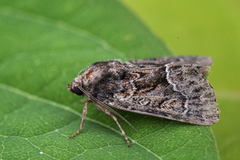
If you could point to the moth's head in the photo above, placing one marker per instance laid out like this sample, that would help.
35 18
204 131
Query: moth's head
73 87
97 73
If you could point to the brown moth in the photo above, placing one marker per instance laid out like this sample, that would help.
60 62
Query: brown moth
170 87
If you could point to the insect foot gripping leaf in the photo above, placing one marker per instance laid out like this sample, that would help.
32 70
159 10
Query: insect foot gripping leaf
170 87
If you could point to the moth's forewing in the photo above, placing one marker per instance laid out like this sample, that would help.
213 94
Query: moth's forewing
170 87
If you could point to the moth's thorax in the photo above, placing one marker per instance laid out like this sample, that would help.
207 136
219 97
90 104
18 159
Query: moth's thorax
91 75
98 72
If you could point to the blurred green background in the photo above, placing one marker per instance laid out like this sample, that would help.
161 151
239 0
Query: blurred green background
209 28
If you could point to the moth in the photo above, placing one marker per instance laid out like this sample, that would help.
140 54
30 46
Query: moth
170 87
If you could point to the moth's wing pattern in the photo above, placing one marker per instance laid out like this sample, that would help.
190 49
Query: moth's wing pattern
189 97
190 81
170 87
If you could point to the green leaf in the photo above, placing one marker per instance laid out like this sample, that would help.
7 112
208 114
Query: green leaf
44 44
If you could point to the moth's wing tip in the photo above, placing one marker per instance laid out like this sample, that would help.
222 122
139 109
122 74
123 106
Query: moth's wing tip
204 123
210 117
209 123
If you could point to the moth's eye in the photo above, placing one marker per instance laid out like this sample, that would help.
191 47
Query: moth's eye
77 91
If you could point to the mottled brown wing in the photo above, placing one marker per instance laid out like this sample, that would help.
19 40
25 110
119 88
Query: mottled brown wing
190 81
170 87
177 90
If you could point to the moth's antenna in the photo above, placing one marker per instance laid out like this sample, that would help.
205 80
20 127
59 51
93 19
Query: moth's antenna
104 105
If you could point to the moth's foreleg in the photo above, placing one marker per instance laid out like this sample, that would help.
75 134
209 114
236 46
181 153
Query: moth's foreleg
84 113
107 112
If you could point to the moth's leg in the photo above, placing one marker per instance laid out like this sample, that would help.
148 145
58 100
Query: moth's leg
84 113
107 112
